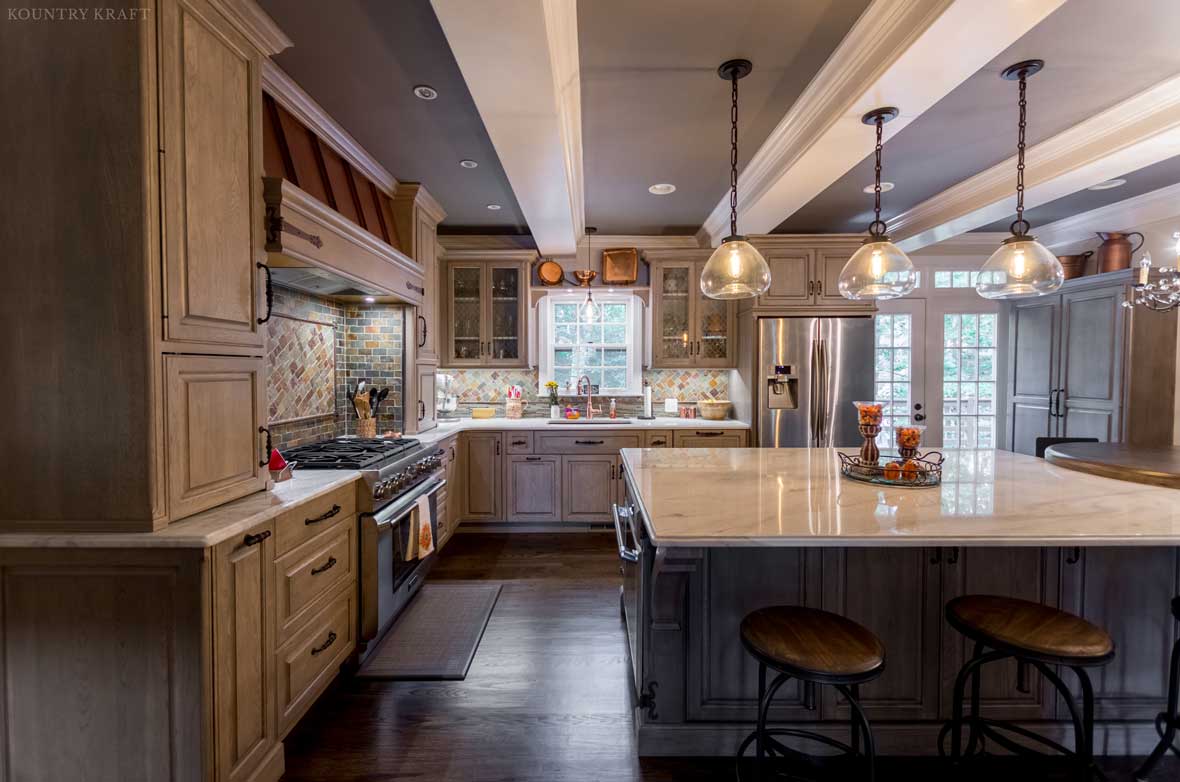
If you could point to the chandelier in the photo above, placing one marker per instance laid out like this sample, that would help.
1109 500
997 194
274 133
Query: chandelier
1163 295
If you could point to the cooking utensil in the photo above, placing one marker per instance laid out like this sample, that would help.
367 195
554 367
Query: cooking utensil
714 409
373 401
352 400
620 266
380 398
1074 265
550 273
1116 250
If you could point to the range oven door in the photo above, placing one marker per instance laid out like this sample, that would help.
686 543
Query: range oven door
632 555
387 580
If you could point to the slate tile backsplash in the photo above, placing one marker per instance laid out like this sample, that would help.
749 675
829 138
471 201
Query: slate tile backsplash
368 345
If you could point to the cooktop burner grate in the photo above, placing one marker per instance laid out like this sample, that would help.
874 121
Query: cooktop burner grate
349 453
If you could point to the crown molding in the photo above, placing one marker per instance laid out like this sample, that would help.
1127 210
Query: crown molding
1130 213
561 33
255 24
280 86
907 53
1137 132
417 193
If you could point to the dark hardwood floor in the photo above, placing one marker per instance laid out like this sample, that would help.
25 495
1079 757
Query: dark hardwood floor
546 699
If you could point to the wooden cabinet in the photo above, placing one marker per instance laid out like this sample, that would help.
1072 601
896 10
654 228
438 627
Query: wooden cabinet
211 177
688 329
486 311
709 438
307 663
425 407
1065 365
660 439
589 487
417 215
805 271
792 279
245 729
532 488
483 489
214 412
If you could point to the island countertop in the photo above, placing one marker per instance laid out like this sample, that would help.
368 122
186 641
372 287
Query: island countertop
797 497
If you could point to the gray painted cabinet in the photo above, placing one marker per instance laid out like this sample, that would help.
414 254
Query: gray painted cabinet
483 491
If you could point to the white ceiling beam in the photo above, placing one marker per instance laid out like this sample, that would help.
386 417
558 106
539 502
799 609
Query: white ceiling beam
1138 132
1161 204
904 53
522 71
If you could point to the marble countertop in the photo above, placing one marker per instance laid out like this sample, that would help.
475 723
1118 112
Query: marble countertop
797 497
204 529
448 427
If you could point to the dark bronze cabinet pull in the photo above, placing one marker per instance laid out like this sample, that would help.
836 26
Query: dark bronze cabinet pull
819 287
953 557
266 461
270 293
709 434
331 640
589 442
422 338
327 515
532 458
811 287
254 540
331 563
520 442
1074 556
421 410
612 472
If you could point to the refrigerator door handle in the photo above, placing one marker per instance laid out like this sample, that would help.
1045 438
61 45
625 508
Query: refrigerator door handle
814 411
823 392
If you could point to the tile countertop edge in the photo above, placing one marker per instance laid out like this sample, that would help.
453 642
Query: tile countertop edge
203 530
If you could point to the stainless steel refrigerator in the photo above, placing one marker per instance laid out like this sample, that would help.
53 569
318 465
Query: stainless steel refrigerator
809 372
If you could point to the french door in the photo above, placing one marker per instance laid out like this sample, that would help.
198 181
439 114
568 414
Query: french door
899 370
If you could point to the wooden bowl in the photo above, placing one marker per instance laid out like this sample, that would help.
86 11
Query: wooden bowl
714 409
550 273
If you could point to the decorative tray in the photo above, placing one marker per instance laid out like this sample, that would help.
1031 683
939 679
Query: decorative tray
913 473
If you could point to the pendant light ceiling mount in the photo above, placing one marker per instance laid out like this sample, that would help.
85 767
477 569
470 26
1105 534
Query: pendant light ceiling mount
1022 266
879 270
735 270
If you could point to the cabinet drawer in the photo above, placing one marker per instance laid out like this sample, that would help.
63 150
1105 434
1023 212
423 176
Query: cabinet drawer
307 663
710 438
310 572
313 517
657 439
590 442
518 442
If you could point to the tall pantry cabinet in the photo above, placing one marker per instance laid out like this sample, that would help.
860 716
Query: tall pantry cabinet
137 313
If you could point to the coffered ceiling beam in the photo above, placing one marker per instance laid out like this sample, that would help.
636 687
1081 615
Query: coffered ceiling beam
1138 132
905 53
520 61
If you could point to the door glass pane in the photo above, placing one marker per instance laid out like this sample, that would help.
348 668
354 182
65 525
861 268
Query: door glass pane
505 313
675 290
969 381
713 326
465 311
892 373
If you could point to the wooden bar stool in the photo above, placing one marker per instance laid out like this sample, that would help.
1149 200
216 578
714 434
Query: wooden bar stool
1036 635
1167 723
814 647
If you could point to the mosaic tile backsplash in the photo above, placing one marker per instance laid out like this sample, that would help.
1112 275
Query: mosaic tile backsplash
368 344
475 387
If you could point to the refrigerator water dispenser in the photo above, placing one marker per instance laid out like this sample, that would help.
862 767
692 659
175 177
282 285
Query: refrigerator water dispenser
782 392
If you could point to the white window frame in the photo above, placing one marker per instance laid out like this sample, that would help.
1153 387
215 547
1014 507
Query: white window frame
634 338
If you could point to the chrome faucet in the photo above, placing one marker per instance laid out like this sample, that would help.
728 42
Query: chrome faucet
590 411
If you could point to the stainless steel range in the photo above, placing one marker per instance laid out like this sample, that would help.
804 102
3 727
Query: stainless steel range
396 473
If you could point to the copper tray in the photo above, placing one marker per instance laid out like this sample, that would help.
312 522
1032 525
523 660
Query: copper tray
620 266
550 273
929 471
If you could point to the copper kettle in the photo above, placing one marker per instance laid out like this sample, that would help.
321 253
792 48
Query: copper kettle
1116 250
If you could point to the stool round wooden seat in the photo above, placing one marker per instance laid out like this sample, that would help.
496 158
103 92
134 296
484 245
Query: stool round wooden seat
1032 630
1034 635
812 647
812 644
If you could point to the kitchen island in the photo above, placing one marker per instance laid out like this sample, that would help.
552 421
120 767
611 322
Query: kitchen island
718 533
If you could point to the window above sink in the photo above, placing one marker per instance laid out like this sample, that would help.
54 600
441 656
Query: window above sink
606 346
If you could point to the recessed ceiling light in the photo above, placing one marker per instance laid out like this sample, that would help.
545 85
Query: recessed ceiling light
369 300
468 164
494 207
662 189
1109 184
425 92
885 187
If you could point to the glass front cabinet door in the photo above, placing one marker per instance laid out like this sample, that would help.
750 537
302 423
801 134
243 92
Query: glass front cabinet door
689 329
486 313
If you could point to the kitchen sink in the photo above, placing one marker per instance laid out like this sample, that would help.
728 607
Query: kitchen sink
592 421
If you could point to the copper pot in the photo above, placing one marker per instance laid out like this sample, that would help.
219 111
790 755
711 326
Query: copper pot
1074 265
1116 250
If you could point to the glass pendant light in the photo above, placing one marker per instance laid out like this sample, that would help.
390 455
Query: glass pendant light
1022 266
588 311
879 269
735 270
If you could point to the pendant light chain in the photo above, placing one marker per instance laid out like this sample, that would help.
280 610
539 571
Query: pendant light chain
1020 226
878 227
733 157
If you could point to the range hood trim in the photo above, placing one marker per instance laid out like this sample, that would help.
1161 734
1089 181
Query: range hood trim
305 230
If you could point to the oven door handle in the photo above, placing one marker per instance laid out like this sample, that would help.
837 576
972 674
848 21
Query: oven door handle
390 515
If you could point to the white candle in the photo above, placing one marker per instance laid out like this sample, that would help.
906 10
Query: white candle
1144 268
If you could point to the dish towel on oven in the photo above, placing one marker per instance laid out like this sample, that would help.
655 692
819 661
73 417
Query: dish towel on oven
425 542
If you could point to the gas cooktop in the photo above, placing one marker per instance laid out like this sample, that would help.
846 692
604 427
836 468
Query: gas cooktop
351 453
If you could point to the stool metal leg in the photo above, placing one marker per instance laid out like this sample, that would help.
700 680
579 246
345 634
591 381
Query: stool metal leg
1170 719
858 715
853 724
1084 743
759 749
